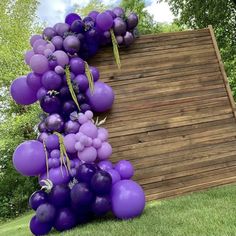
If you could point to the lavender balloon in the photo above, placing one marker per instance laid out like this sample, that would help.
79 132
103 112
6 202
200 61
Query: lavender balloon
102 98
105 151
29 158
39 64
69 141
88 155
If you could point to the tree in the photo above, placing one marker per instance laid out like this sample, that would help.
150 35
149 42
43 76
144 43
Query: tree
221 14
18 22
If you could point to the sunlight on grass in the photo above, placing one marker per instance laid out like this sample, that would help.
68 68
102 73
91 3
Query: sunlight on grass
209 213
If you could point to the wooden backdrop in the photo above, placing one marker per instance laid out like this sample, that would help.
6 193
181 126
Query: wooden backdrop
174 115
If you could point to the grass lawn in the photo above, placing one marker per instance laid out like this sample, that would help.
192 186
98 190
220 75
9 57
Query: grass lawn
208 213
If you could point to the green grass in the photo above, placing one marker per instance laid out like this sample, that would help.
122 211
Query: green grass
209 213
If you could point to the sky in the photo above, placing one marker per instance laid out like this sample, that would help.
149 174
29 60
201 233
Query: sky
53 11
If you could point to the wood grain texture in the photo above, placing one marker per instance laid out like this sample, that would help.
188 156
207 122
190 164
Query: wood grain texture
174 114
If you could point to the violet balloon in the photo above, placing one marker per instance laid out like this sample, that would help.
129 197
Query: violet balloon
128 199
104 21
22 93
39 64
29 158
69 142
34 81
114 175
38 228
70 18
125 169
54 122
102 98
105 165
77 65
52 142
82 82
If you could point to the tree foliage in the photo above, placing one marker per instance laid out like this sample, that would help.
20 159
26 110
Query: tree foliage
221 14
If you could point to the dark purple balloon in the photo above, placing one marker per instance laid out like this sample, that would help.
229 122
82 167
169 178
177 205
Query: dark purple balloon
82 82
77 65
42 127
70 18
69 107
46 213
57 42
64 93
72 77
54 122
120 26
81 98
38 198
60 196
51 80
49 33
71 127
132 21
65 220
50 104
101 205
128 38
34 81
101 183
81 195
85 107
86 172
77 27
38 228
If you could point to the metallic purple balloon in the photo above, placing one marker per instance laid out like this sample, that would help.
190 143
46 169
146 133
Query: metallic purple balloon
120 26
29 158
37 198
128 39
119 12
60 196
132 21
54 122
71 127
22 93
70 18
102 98
51 80
57 42
71 44
125 169
128 199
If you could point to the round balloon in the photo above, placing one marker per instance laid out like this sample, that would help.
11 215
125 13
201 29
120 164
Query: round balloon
29 158
128 199
22 93
102 98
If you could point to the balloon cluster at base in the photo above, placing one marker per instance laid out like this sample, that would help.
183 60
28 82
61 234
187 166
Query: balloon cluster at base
71 155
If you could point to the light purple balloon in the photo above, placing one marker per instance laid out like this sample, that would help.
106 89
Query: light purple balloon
22 93
88 155
34 38
61 57
128 199
57 175
114 175
37 44
97 143
125 169
105 165
29 158
39 64
57 42
69 141
89 129
28 56
55 154
61 28
79 147
82 118
102 98
105 151
103 134
42 137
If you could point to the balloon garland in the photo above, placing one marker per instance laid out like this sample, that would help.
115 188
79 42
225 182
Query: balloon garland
71 154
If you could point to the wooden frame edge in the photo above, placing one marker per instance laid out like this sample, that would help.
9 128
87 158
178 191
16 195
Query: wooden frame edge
222 69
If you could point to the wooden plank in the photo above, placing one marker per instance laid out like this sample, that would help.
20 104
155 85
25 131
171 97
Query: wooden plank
173 116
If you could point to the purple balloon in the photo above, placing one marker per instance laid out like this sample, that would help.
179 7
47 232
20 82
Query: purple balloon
29 158
114 175
34 38
28 56
57 41
21 92
102 98
42 137
49 33
38 198
34 81
93 15
54 122
119 26
113 15
132 21
58 176
105 151
60 196
104 21
71 44
77 65
128 199
86 172
101 205
71 127
42 127
70 18
51 80
38 228
52 142
61 28
128 39
95 72
120 39
55 154
82 82
69 141
46 213
125 169
89 129
105 165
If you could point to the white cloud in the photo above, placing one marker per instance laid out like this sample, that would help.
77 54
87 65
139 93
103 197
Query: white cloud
161 12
